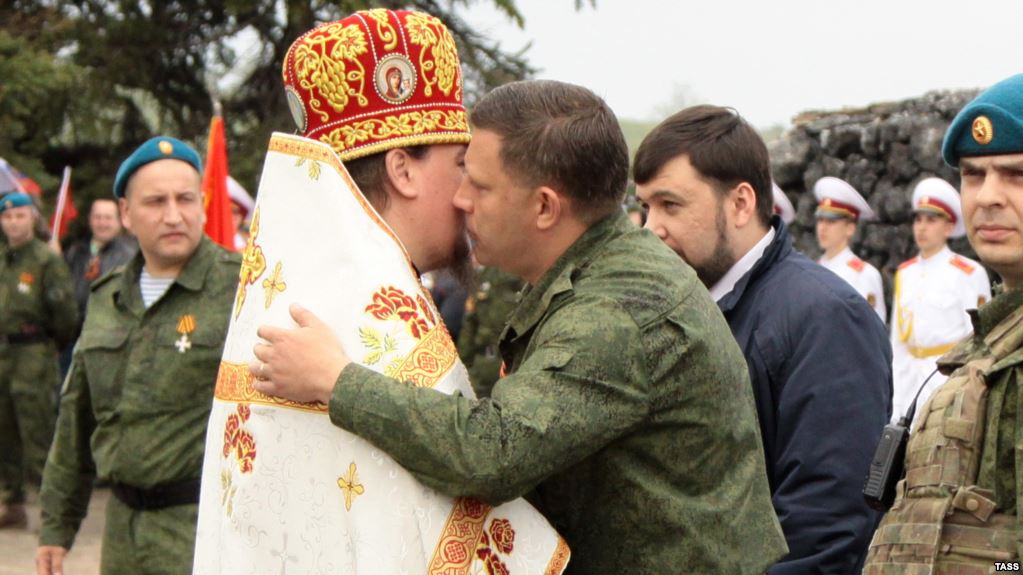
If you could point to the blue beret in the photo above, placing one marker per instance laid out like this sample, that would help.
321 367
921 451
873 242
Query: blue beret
990 125
158 148
14 200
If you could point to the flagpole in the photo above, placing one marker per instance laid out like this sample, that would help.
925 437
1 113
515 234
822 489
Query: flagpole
65 185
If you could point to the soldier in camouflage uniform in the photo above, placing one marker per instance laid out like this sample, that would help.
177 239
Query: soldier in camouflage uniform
957 510
135 404
486 312
37 317
626 415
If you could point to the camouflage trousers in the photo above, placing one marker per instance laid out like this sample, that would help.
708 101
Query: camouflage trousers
158 542
29 377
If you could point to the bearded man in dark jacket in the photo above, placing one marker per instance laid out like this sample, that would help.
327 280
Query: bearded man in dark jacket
818 356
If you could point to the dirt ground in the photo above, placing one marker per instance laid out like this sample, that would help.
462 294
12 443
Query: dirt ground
18 548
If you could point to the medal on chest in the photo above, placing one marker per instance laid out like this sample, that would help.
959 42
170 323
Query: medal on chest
25 282
186 325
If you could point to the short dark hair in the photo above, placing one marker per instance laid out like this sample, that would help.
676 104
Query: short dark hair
721 145
559 135
370 174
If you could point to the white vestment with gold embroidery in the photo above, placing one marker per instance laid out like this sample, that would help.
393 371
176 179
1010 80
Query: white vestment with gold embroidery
283 489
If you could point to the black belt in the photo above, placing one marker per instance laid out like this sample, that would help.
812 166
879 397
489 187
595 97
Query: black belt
160 496
23 338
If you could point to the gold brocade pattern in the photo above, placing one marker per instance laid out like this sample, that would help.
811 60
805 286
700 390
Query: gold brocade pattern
253 265
234 383
560 559
327 64
416 123
438 59
430 360
456 549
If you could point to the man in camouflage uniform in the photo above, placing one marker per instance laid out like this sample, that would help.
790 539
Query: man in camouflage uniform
626 415
486 313
37 317
135 404
956 512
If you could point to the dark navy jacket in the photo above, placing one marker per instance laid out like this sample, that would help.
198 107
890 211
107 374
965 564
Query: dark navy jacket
820 363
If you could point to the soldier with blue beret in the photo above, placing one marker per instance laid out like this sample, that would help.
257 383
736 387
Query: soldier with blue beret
957 509
135 403
159 148
37 317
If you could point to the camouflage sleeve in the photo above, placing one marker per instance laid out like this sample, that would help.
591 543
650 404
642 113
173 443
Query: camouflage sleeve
69 473
59 295
584 386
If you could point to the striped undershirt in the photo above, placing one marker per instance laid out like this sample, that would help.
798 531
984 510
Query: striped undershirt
153 288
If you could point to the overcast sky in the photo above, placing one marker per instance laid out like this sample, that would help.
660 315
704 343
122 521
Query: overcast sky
768 59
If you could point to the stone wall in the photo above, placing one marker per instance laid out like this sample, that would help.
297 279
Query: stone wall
883 151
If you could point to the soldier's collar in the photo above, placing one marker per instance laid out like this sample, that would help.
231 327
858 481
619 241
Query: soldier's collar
558 279
192 276
992 313
13 252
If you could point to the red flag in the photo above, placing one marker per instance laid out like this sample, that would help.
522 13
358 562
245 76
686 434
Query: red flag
219 226
66 210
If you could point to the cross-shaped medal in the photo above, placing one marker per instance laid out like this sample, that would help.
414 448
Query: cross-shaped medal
183 344
186 325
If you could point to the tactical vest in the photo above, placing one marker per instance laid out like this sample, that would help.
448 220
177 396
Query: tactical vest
942 523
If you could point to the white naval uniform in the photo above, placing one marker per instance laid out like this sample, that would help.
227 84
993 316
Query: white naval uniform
929 318
863 277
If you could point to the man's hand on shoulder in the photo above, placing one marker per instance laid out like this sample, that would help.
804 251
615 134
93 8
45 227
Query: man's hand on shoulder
300 364
50 560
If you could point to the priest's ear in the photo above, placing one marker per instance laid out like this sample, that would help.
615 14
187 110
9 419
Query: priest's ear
400 164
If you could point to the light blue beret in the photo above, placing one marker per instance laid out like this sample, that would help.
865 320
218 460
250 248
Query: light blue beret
14 200
158 148
990 125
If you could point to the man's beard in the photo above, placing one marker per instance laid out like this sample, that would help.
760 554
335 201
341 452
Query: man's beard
721 260
461 266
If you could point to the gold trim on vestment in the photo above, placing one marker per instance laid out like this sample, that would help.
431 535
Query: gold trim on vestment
456 548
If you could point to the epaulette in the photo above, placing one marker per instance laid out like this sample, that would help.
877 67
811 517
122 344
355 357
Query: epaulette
908 262
105 278
962 264
857 264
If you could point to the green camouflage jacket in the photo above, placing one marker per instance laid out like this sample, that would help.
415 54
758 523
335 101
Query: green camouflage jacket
135 404
1003 428
626 416
36 293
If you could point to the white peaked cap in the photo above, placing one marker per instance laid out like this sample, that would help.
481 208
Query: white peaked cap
834 195
935 195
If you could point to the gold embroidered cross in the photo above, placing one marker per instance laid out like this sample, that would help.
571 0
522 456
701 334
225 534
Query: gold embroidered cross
350 486
273 285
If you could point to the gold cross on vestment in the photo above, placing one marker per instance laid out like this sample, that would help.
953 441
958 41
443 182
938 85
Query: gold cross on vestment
274 285
350 486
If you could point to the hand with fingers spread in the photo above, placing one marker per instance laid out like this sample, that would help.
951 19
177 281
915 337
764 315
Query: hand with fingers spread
300 364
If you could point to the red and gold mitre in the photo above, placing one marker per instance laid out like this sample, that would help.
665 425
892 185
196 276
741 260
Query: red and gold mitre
376 80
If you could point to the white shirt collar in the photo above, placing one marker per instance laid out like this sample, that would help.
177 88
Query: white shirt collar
841 256
726 284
